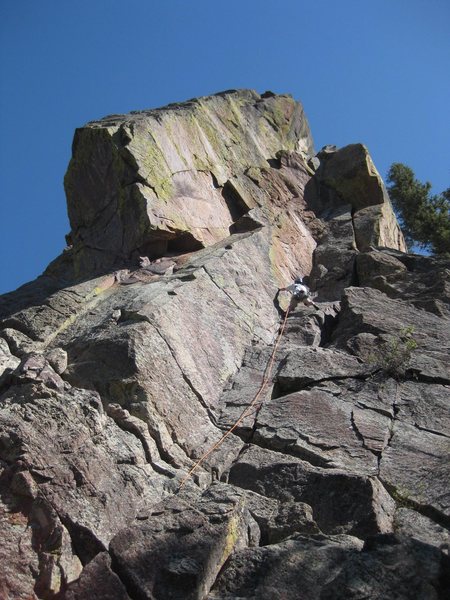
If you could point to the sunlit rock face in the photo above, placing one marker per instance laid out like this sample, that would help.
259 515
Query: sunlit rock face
183 177
128 359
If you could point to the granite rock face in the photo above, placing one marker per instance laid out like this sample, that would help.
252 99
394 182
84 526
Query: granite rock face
184 177
349 195
144 342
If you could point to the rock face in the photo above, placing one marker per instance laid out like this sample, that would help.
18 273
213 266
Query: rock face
184 177
144 342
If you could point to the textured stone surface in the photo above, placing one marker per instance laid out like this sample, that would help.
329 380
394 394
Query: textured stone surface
99 576
8 362
341 502
333 567
349 194
423 281
179 548
178 179
391 322
149 338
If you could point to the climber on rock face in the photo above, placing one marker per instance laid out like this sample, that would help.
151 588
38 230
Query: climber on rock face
300 293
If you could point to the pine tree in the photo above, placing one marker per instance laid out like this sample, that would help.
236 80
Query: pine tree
424 218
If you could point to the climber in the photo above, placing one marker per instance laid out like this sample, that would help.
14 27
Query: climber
300 293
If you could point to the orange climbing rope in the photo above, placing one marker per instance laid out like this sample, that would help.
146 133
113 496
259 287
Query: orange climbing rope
247 411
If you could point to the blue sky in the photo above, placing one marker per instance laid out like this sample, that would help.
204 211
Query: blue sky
373 72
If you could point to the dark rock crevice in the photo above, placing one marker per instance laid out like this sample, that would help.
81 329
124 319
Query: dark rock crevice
327 325
286 448
86 545
281 389
274 163
391 433
132 590
433 431
183 244
234 201
414 375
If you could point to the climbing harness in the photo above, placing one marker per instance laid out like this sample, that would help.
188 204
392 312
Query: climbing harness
247 411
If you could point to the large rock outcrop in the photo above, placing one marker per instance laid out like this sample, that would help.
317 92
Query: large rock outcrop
184 177
145 340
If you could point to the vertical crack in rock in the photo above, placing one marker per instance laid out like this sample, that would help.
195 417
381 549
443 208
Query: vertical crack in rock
85 543
234 201
187 379
239 308
360 436
328 324
131 589
394 412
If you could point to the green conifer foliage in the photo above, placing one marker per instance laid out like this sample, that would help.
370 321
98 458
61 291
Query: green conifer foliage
424 218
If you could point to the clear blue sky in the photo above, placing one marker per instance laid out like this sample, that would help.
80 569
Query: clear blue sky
374 72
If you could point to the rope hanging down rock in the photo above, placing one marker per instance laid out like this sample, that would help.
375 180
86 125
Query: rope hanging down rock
247 411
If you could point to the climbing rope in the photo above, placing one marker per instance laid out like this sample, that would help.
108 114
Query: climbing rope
248 410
